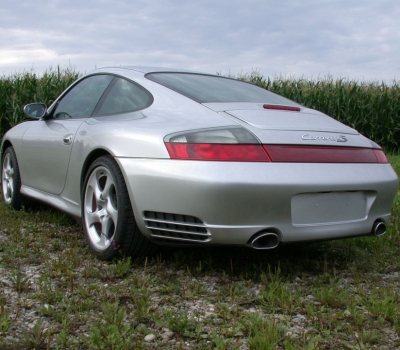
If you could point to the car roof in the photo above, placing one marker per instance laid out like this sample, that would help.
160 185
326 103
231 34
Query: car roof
148 69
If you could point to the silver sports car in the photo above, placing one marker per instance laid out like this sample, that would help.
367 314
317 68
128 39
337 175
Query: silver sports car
146 156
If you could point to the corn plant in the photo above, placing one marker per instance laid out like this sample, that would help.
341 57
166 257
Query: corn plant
20 89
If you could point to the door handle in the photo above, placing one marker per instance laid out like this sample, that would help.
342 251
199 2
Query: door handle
67 140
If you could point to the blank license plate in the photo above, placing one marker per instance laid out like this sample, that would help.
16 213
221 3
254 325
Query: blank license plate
325 208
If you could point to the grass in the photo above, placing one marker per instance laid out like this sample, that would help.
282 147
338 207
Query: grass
330 295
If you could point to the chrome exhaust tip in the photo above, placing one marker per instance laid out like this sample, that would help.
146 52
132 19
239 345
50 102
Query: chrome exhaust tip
266 240
379 228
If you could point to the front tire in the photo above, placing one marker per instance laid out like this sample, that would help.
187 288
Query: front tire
11 179
107 217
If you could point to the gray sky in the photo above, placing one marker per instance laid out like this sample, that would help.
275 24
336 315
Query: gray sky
356 39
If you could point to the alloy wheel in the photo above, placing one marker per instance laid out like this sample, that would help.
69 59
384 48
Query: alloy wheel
8 179
101 208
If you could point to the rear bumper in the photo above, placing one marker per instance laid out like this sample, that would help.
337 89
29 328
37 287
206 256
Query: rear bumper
235 201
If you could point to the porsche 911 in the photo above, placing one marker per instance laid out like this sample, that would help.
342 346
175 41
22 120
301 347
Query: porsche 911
149 156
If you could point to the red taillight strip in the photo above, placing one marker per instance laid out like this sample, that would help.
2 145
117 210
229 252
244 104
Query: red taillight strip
380 156
274 153
220 152
281 108
321 154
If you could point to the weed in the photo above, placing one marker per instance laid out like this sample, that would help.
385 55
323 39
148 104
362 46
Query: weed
39 338
277 297
5 320
122 267
264 334
19 281
110 332
179 322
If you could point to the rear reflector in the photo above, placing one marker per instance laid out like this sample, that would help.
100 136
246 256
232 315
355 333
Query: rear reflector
281 108
274 153
221 152
323 154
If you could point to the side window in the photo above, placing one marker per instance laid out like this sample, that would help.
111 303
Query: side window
82 99
124 97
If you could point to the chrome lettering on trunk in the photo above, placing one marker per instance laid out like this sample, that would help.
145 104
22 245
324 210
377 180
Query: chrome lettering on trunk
340 138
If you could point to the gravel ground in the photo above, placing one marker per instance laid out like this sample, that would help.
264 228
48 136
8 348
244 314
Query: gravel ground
173 305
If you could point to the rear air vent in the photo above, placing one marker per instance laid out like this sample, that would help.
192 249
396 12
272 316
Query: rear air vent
176 227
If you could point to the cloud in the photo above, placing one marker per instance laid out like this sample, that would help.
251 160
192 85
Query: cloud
356 39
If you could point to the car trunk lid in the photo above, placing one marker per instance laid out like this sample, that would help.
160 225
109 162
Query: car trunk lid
303 127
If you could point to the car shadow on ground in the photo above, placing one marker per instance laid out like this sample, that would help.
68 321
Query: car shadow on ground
290 260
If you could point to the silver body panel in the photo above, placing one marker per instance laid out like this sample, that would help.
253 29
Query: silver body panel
232 200
235 202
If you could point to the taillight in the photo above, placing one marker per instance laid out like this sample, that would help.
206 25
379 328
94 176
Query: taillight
221 152
236 144
380 156
224 135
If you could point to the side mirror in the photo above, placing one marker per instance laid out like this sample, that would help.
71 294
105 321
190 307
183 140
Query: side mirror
35 110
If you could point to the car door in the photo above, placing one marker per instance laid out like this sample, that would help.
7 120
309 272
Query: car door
47 145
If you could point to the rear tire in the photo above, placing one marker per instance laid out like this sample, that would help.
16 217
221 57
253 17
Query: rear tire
107 216
11 179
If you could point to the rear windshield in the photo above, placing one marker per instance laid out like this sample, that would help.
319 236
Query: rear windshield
210 88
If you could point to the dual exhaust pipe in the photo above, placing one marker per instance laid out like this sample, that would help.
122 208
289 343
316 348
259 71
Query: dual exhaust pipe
270 240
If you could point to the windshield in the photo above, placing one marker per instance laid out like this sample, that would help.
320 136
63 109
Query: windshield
210 88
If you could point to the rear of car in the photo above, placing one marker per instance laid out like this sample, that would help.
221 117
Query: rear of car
280 172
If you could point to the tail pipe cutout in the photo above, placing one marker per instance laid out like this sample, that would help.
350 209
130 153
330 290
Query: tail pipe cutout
378 228
264 240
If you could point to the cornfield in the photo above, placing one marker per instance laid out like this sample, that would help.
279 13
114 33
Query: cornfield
20 89
370 107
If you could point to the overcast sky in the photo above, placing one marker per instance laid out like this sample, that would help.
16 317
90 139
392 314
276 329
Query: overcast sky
356 39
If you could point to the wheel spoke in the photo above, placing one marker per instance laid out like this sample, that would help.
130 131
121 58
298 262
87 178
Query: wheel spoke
93 183
11 184
103 242
112 213
9 189
107 225
8 162
108 185
92 218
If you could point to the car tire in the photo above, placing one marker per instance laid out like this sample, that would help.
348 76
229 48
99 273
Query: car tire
107 217
11 179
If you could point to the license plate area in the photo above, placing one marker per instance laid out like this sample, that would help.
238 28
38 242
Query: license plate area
330 208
